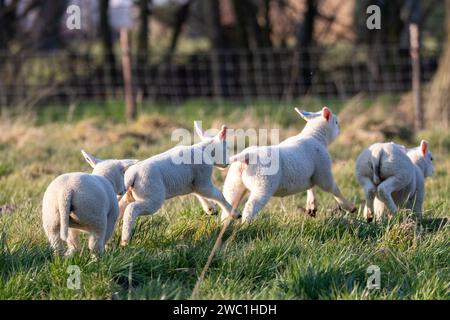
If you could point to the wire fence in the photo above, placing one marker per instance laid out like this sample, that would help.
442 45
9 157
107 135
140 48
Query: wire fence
268 74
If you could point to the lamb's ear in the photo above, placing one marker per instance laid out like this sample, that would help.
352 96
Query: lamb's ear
128 163
222 133
198 129
424 146
305 114
326 113
90 158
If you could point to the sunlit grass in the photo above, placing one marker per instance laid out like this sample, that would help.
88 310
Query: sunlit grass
282 255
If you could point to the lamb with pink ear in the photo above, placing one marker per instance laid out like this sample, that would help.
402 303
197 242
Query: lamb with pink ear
178 171
80 202
302 163
392 176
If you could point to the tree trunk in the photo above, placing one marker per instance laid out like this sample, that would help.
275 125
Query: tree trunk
241 26
305 43
143 48
180 18
107 43
47 28
267 30
438 102
217 39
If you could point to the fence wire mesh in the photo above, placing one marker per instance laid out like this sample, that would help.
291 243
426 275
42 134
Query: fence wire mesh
267 74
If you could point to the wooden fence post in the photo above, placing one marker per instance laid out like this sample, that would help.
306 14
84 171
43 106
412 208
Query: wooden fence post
130 101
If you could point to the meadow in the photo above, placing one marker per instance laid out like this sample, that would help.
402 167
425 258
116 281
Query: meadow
283 254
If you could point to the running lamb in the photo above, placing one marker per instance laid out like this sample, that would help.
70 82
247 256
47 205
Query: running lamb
178 171
302 162
77 201
393 175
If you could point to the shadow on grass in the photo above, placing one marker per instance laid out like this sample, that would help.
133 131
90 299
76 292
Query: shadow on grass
434 224
313 283
23 258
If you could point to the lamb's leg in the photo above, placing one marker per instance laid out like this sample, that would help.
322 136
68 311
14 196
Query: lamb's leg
110 224
123 203
212 193
134 210
73 242
370 191
233 187
53 235
56 243
311 202
328 184
208 206
256 201
417 205
378 207
385 190
97 242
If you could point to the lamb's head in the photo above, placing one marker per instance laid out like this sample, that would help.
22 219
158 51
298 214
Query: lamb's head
215 145
111 169
422 157
322 123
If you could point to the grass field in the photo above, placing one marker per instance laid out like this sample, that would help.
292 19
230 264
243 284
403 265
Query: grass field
282 255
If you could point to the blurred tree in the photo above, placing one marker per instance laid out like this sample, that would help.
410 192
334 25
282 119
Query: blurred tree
181 16
302 72
107 43
391 30
251 34
211 11
305 38
143 43
7 22
47 25
391 24
438 101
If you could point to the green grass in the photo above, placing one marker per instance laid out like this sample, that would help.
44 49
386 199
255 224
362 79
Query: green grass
282 255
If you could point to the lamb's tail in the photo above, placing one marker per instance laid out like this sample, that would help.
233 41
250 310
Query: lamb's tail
376 164
64 206
129 178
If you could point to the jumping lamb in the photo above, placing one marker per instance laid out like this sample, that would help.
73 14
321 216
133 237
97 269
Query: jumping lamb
81 202
393 175
303 162
150 182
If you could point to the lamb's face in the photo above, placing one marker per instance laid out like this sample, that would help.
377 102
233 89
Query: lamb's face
113 170
217 146
429 170
422 156
334 127
427 159
323 120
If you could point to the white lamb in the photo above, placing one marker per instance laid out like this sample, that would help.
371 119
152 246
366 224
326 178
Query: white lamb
150 182
76 202
303 163
393 175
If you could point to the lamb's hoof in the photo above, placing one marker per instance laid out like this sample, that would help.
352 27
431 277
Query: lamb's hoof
94 257
123 243
236 214
353 209
369 219
68 253
311 212
213 211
